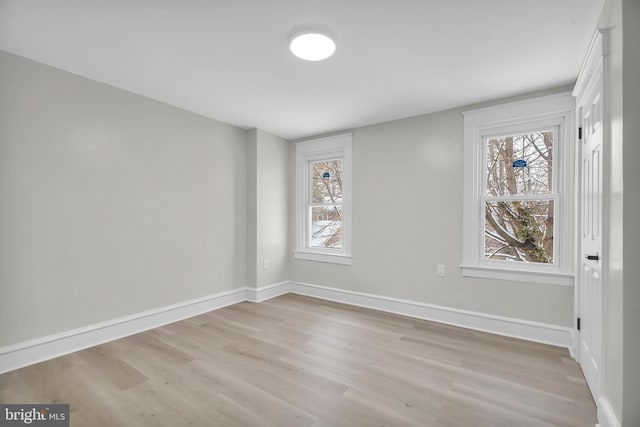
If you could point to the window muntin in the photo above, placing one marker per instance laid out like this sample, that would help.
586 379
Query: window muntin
324 204
323 200
520 164
520 197
539 199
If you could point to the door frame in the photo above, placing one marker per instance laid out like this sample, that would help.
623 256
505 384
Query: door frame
596 52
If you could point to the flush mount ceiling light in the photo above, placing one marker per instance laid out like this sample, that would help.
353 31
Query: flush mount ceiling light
312 44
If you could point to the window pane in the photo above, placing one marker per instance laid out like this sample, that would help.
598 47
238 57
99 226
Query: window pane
520 164
326 227
326 181
519 231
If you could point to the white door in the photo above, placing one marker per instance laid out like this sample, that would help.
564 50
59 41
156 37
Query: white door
590 118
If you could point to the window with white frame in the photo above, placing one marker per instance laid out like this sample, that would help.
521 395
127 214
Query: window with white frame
323 199
518 191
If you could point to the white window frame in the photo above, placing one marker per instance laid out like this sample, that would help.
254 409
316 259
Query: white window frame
329 148
548 112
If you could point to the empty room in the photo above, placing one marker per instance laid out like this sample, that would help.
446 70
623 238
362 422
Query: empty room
320 213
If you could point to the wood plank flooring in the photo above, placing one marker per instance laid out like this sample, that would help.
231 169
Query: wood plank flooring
299 361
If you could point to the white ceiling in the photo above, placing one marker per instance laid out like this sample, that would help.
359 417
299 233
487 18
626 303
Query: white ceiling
229 59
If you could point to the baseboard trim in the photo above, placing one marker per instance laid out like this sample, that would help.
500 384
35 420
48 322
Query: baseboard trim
606 415
38 350
516 328
573 348
34 351
267 292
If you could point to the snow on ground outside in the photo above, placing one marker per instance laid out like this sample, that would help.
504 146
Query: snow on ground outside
322 231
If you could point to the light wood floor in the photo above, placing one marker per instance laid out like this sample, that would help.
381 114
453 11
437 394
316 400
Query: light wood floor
299 361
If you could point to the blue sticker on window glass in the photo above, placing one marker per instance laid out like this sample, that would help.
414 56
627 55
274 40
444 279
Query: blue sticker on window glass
326 175
520 164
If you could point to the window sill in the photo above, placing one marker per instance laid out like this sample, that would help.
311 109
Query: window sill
323 257
547 278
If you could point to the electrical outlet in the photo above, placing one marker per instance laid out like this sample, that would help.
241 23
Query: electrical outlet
440 270
265 264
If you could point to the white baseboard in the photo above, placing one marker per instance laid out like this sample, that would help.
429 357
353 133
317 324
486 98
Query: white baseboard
606 415
573 348
27 353
523 329
38 350
267 292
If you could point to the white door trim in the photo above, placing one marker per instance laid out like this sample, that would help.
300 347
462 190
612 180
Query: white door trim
595 57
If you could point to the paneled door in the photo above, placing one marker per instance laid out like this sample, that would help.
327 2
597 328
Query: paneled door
590 112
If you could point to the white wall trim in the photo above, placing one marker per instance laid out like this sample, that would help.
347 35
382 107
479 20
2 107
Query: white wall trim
606 415
574 348
323 257
332 147
267 292
521 275
516 328
553 112
594 72
38 350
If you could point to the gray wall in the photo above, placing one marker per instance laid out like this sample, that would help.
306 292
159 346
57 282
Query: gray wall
268 226
252 207
631 308
612 320
407 217
112 204
622 299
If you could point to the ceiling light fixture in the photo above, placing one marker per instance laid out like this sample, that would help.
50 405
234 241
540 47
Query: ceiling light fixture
312 44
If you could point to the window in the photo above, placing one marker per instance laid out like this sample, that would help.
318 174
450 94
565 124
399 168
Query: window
323 196
518 195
